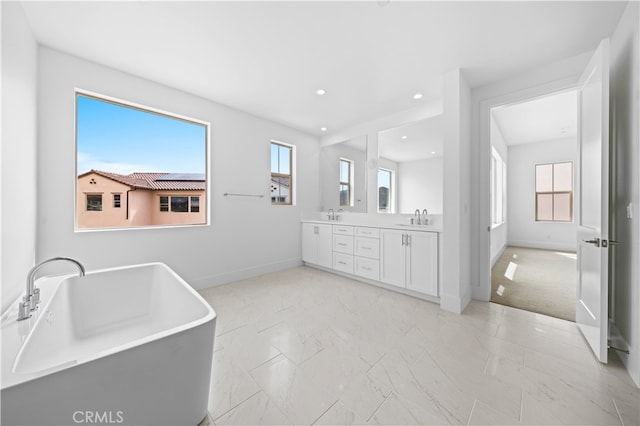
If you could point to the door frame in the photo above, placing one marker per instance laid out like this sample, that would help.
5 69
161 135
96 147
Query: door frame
484 220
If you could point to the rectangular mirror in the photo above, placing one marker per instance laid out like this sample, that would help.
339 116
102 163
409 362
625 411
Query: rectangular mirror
410 173
343 177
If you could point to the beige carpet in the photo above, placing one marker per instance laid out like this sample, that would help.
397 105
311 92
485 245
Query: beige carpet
542 281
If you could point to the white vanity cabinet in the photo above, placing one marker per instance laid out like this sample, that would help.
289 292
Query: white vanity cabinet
404 258
409 259
317 244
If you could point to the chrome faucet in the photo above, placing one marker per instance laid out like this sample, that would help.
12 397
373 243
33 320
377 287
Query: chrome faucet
424 214
32 294
331 214
417 213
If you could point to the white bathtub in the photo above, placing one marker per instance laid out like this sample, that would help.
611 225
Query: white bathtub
130 345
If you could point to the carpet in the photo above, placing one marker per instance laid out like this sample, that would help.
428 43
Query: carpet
542 281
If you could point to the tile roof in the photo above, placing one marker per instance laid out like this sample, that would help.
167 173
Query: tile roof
152 181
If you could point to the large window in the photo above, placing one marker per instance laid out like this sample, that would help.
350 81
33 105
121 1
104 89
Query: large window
498 188
132 153
554 192
385 191
281 173
346 182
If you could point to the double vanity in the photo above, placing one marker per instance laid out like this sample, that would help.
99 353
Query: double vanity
404 258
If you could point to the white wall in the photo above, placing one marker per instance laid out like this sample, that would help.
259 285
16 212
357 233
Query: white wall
456 289
499 232
246 237
523 230
18 155
420 185
625 91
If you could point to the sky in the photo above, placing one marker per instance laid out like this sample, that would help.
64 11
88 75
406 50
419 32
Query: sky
124 140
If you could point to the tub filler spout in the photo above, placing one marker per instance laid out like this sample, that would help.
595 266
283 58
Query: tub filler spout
32 294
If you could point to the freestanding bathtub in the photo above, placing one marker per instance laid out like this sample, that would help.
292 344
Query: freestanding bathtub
130 345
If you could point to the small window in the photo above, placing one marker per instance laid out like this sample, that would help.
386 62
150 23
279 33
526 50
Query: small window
195 204
385 196
554 192
180 204
164 204
94 202
281 174
346 182
116 201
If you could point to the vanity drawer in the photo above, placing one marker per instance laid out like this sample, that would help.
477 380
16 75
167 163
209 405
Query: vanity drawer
343 229
368 232
343 244
367 247
367 268
343 262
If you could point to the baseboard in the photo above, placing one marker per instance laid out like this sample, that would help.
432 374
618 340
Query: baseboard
455 304
242 274
495 259
544 245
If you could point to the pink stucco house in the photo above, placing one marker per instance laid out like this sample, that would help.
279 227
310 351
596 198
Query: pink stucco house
112 200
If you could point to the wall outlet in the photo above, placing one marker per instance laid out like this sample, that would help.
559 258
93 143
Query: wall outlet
630 211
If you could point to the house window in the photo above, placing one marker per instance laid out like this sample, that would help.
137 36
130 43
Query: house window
498 188
385 191
127 148
164 204
195 204
180 204
94 202
554 192
346 182
281 173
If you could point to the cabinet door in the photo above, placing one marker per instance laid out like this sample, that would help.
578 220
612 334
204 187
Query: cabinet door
325 246
309 243
422 262
392 257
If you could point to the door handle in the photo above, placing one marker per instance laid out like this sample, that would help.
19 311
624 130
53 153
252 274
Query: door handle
595 242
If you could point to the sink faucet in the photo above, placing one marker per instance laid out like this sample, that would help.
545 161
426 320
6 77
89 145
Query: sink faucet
32 294
331 214
424 214
417 213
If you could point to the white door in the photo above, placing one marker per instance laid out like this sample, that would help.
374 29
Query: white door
309 243
392 257
593 215
422 262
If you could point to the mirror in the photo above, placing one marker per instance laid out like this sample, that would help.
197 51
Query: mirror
343 176
410 173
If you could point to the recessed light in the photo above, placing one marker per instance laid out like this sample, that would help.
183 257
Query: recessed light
433 152
321 92
323 129
403 137
417 96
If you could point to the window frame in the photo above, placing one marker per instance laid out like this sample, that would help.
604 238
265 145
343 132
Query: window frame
117 200
151 110
553 193
390 206
290 176
348 183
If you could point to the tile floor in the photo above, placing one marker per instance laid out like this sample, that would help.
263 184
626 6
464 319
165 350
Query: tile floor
303 346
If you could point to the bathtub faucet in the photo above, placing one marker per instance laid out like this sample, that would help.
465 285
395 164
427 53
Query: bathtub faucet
32 294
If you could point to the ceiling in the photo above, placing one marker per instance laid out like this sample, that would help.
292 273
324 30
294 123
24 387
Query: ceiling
553 117
412 142
371 57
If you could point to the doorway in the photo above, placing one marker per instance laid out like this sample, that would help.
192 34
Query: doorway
533 232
